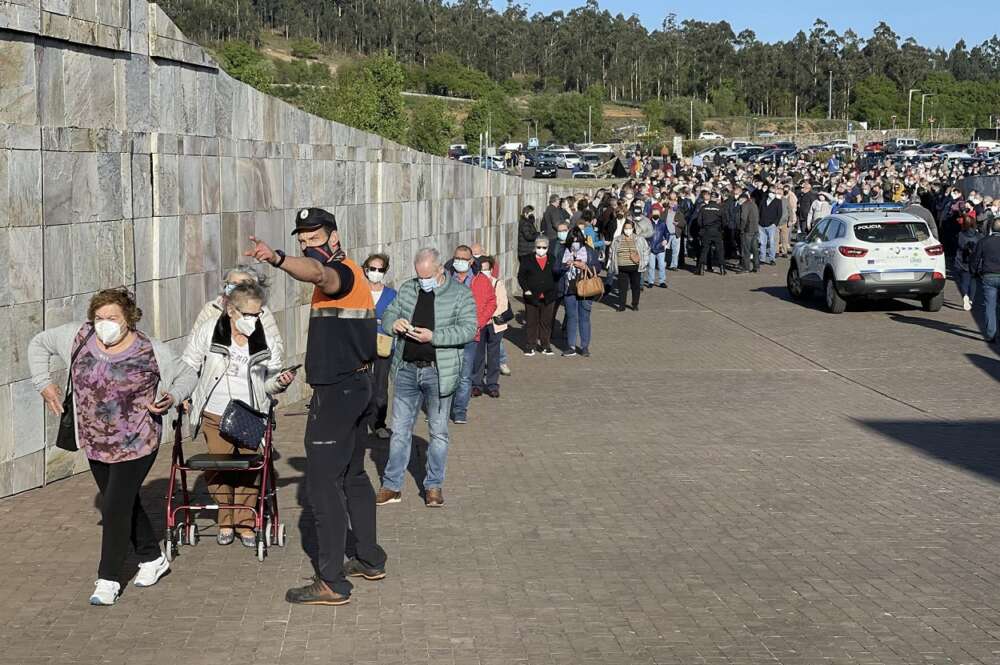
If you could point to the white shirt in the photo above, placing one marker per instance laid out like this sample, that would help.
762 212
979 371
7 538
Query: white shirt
234 384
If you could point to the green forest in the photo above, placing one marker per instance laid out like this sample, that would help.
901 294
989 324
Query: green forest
553 68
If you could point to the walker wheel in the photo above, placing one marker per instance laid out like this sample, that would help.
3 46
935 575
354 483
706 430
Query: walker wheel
170 550
192 534
280 537
261 550
180 534
268 532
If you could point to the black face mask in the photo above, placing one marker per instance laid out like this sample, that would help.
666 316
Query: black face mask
322 253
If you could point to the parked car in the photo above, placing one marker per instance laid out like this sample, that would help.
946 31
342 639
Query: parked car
786 145
592 160
584 174
546 166
766 134
511 147
874 146
456 150
898 143
568 160
837 144
711 136
601 148
869 251
747 153
736 145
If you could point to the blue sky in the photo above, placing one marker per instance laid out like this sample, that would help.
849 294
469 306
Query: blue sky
932 24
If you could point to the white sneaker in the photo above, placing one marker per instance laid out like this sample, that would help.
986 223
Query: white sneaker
105 592
151 571
505 369
966 303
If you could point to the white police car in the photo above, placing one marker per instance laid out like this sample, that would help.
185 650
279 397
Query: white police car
869 251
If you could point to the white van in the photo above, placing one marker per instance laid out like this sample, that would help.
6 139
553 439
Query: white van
512 147
979 147
898 144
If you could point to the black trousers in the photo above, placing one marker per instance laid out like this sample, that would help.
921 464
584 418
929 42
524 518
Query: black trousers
538 318
629 276
123 519
707 241
336 481
379 407
750 243
486 373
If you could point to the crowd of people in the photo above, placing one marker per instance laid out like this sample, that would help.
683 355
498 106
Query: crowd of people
437 338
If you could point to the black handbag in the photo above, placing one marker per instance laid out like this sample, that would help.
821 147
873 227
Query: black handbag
242 425
66 436
504 317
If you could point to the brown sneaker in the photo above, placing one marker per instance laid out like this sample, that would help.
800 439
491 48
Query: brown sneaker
434 498
385 496
317 593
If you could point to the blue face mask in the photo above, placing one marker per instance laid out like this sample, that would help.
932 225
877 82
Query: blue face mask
428 284
563 235
461 265
228 289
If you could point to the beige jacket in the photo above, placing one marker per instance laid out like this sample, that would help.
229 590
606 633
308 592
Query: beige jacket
500 287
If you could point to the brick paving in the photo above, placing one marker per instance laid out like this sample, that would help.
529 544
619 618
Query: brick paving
731 478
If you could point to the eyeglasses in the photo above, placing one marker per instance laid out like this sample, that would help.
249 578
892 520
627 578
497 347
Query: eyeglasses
255 315
381 270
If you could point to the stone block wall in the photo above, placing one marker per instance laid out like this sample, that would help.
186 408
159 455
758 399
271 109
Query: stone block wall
128 157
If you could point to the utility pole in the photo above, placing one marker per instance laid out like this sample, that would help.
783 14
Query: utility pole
796 135
829 104
923 98
909 105
590 127
691 126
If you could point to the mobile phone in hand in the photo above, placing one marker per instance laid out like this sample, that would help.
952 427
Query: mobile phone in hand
290 369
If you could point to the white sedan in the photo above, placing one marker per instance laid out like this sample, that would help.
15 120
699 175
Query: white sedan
869 251
710 136
568 160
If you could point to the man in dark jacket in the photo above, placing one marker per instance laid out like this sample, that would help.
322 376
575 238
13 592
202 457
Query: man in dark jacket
914 208
731 222
526 233
710 228
553 215
770 214
806 198
986 264
749 225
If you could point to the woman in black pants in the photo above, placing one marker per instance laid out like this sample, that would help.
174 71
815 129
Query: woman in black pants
537 279
628 257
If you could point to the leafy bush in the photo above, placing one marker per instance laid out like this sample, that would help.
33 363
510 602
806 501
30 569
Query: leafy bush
431 127
306 48
242 61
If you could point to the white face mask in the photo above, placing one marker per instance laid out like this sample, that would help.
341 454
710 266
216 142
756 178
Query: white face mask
245 325
375 277
627 232
108 332
541 251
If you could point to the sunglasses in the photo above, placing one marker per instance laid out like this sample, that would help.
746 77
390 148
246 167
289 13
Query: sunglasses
381 270
255 315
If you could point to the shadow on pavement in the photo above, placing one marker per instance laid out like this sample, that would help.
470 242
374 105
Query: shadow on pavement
972 445
934 324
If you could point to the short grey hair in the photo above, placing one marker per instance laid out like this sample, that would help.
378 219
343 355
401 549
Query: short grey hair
427 254
247 291
542 239
255 275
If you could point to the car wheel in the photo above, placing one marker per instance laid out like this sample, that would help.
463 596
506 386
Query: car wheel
794 282
932 303
835 304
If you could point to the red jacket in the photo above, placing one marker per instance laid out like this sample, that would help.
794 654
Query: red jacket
486 300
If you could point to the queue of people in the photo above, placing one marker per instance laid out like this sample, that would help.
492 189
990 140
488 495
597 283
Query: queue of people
438 337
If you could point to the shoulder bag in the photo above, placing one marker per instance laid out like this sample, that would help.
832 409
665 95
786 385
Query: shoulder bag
66 436
242 425
589 285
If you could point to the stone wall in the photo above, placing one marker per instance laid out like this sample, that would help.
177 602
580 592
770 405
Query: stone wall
128 157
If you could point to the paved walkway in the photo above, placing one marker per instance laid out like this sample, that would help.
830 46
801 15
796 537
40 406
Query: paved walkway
731 478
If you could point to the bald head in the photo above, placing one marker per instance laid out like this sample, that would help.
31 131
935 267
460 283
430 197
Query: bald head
477 249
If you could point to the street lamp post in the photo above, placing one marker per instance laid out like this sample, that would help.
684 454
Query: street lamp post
909 105
829 107
894 122
923 98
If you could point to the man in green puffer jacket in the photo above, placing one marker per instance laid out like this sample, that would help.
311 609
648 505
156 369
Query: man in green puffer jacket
434 318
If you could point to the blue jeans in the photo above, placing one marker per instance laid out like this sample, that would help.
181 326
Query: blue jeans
415 386
657 263
967 284
768 243
460 405
503 353
486 373
991 283
674 247
578 321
